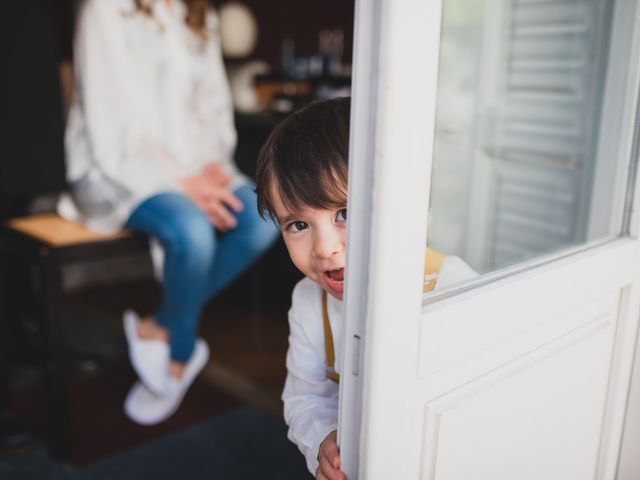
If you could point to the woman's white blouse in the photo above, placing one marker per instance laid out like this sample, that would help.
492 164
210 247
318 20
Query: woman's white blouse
151 105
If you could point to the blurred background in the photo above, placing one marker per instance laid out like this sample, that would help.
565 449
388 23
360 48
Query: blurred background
279 56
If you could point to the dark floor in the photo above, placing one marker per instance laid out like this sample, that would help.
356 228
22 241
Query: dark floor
216 448
247 338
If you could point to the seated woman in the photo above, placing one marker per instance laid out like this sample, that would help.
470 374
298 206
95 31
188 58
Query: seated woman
150 140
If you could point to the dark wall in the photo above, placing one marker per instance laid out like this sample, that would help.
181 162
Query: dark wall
302 20
31 127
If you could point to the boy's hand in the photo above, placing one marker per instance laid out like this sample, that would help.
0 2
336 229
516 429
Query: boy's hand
329 458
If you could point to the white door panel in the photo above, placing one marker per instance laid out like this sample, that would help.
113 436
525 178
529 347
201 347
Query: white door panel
516 422
528 401
480 324
441 369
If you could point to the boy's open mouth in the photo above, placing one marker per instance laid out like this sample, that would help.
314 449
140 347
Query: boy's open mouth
334 279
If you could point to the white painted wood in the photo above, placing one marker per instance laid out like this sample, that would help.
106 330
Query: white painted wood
629 461
619 380
567 336
402 133
620 103
542 290
363 122
521 375
552 394
629 464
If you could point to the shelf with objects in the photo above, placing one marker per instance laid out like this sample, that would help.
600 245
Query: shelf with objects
267 84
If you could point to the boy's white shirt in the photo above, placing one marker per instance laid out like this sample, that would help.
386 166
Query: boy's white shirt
149 106
310 398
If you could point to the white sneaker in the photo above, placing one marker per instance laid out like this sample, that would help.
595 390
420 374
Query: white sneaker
149 357
144 407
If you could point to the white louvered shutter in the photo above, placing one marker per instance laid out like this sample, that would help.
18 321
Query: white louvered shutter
538 135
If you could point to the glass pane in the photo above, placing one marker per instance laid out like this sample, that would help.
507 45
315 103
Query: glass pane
518 168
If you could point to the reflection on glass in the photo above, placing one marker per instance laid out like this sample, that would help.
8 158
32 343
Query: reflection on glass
516 169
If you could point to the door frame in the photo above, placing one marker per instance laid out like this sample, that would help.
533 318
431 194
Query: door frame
628 462
379 112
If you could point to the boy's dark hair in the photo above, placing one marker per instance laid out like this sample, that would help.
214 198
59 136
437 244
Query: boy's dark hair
306 159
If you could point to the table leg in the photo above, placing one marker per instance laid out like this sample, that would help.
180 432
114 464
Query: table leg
49 293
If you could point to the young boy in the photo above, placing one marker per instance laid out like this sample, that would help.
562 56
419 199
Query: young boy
302 186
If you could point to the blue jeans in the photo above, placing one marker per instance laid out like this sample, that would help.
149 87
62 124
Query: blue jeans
199 260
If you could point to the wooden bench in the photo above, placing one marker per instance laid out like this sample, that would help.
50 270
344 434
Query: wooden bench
49 244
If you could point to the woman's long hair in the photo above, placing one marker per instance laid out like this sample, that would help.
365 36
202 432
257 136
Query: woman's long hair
195 18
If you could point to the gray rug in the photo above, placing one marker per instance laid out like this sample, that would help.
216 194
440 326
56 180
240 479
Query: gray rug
243 444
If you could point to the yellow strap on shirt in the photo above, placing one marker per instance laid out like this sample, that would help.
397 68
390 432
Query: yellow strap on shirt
432 264
329 350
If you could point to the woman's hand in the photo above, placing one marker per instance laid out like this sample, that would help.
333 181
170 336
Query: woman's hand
209 192
215 173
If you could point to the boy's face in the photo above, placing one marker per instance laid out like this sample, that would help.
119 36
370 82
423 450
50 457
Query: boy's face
316 240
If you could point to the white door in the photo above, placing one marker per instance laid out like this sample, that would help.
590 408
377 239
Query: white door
504 132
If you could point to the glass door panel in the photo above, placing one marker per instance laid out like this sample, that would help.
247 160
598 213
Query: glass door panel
522 165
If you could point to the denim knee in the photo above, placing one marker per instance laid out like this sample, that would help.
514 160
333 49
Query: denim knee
192 236
265 233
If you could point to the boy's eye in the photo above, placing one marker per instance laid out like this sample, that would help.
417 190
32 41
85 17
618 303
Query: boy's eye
297 226
341 216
